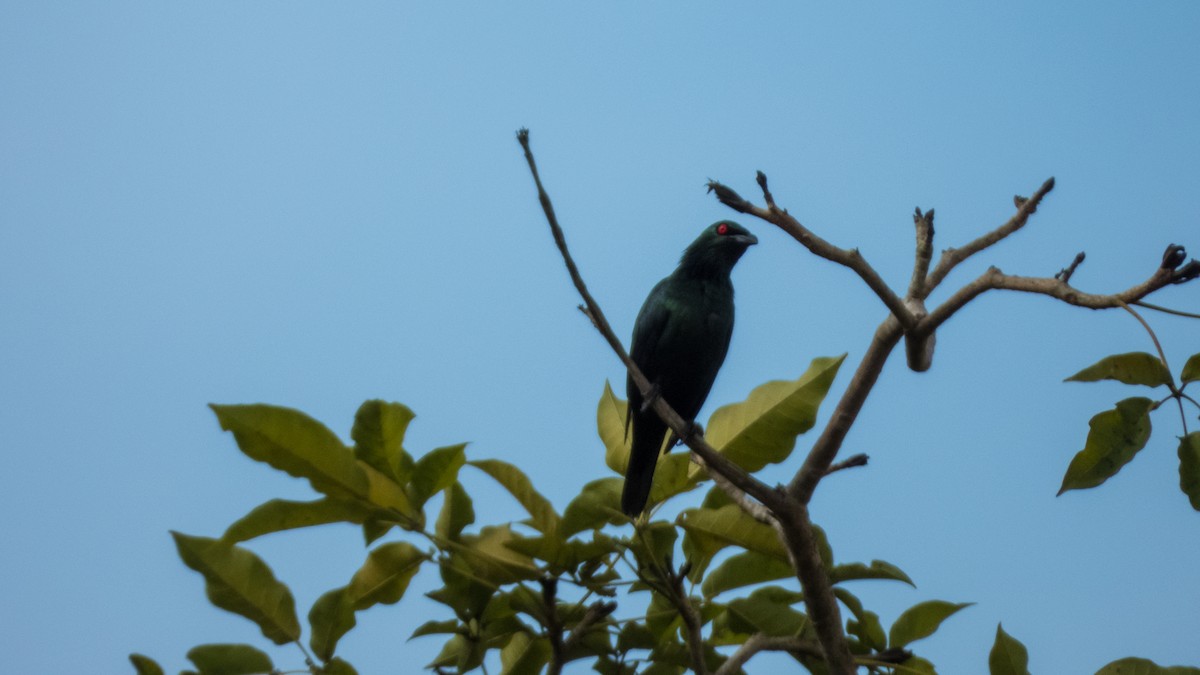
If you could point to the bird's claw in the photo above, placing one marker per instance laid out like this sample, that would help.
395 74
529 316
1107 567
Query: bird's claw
651 396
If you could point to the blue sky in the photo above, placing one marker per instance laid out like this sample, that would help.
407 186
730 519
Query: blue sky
313 204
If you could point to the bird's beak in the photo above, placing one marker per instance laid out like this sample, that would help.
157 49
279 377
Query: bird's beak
745 239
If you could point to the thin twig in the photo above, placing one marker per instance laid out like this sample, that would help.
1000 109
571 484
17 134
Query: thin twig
952 257
848 463
1162 356
760 642
923 223
1165 310
595 612
1064 275
851 258
994 279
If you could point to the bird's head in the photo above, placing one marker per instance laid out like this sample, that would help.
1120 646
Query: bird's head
717 248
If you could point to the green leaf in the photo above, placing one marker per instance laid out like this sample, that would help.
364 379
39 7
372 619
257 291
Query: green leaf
921 621
730 526
878 569
916 666
436 471
1131 368
293 442
278 515
744 569
544 518
378 435
865 625
225 659
769 610
1189 467
450 627
1135 666
599 504
524 655
144 665
762 429
238 581
1008 655
1114 438
610 424
336 666
384 577
457 512
1191 369
491 558
331 617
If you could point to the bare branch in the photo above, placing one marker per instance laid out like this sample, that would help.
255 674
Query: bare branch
953 256
682 428
595 612
923 223
1064 275
1166 310
847 257
848 463
760 642
825 449
801 542
754 509
993 278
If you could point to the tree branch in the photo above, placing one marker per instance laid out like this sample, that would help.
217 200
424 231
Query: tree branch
760 642
953 256
595 612
801 542
826 447
994 279
851 258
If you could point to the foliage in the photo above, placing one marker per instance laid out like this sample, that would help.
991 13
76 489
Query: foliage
582 584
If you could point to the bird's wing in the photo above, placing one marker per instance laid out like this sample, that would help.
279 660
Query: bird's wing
647 332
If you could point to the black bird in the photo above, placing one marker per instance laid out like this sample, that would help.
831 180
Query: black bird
679 342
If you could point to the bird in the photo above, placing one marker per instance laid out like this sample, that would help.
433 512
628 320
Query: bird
680 339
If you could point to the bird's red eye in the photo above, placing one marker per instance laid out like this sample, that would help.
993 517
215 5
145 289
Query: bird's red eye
722 229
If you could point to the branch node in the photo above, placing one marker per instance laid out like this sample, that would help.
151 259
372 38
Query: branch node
729 198
1064 275
762 183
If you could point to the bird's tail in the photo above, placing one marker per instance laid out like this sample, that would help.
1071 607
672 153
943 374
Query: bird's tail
639 475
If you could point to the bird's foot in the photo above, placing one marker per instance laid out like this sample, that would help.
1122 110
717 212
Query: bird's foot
651 396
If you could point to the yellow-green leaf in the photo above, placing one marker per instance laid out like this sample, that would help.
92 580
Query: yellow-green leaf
762 429
457 512
331 617
610 424
384 577
491 559
238 581
229 659
1135 666
1191 369
144 665
524 655
1132 368
921 621
878 569
1189 467
768 610
745 569
1008 655
1113 440
293 442
378 435
278 515
436 471
598 504
730 526
336 666
544 519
